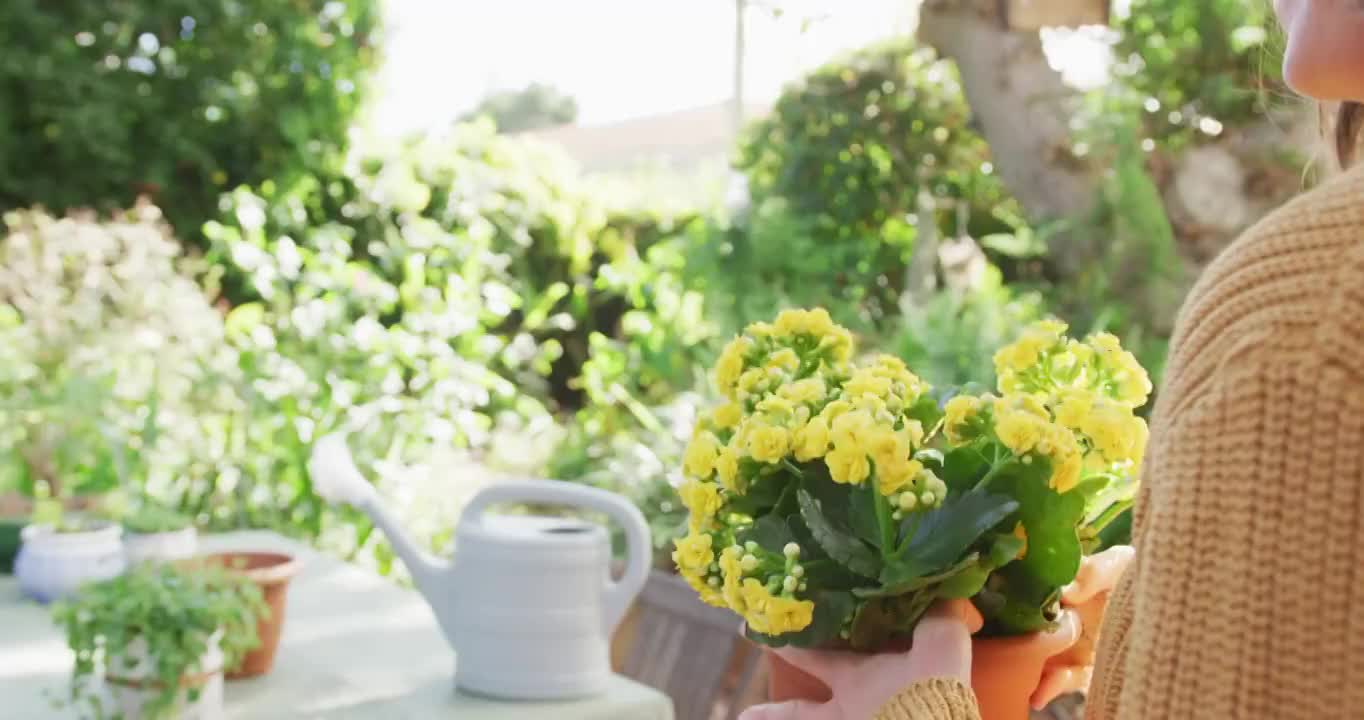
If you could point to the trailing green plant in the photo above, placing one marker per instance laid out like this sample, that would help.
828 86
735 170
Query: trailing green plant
159 620
150 517
178 99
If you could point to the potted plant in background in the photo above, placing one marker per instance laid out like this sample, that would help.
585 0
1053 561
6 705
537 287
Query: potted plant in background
61 551
832 502
270 573
160 637
155 532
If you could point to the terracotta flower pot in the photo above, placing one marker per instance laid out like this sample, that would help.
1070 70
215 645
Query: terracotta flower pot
272 572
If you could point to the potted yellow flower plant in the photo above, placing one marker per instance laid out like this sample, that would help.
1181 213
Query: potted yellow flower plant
833 499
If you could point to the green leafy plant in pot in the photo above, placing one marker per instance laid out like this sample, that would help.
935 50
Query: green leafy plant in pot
154 532
832 501
160 636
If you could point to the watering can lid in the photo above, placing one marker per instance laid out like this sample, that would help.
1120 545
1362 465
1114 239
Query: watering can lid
532 530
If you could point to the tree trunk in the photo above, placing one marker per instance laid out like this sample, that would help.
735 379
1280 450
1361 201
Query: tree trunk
1023 109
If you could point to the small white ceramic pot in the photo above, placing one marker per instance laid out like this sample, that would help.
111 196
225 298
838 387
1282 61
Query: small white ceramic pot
201 696
160 547
51 565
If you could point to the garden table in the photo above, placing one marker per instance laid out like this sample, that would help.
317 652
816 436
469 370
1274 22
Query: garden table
354 646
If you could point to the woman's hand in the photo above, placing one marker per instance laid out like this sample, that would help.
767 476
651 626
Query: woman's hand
861 684
1088 597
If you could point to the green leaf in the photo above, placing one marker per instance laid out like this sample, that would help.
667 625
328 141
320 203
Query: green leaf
769 531
942 535
832 610
1004 550
1051 520
926 411
917 582
862 514
842 547
963 467
964 584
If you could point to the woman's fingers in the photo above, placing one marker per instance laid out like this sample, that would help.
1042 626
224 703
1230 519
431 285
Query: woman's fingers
1059 681
942 645
1067 632
790 710
825 665
1099 573
965 611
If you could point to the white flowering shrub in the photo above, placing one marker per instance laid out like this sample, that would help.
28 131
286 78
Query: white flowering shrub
110 354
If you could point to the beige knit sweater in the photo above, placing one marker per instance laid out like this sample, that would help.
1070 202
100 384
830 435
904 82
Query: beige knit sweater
1246 600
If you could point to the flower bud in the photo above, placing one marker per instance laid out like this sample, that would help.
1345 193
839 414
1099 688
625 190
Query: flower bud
748 563
908 501
791 550
798 571
751 546
713 582
789 584
927 497
896 515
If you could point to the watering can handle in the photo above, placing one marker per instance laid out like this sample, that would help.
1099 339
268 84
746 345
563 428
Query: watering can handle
638 557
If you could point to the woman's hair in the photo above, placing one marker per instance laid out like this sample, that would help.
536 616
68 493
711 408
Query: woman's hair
1349 124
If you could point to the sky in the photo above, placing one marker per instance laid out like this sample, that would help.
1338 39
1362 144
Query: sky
622 59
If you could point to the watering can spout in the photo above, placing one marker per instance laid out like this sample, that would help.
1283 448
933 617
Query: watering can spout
336 479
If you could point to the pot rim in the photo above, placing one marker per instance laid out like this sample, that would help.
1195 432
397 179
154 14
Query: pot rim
47 532
281 569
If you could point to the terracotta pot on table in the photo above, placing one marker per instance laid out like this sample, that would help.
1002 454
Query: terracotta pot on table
271 571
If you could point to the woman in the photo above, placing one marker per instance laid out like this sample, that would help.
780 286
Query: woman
1246 596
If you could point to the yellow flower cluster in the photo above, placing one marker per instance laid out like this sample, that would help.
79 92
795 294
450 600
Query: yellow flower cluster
695 561
768 611
1069 402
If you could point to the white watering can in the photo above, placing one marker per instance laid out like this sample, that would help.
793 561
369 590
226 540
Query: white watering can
530 605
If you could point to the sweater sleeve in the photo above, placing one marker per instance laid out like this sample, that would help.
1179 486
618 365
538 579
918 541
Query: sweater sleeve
932 699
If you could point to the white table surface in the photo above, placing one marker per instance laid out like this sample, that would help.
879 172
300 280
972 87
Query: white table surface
354 646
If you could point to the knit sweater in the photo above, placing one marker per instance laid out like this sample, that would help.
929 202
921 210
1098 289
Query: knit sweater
1246 598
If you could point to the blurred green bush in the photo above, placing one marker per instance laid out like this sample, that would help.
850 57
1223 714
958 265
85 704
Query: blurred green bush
176 99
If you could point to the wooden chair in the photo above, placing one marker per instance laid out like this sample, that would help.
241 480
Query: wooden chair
691 651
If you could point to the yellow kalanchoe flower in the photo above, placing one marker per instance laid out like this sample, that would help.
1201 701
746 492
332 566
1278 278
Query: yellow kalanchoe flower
730 366
811 441
727 470
693 552
773 614
850 429
699 460
733 575
808 390
848 466
728 415
783 359
768 443
701 498
805 322
894 477
958 413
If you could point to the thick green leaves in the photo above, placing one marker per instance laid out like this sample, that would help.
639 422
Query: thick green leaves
840 545
862 514
935 539
1050 520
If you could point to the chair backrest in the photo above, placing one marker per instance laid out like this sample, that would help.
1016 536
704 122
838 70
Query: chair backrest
691 651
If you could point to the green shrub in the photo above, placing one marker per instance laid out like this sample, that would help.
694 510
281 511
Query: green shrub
1204 64
850 160
176 98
